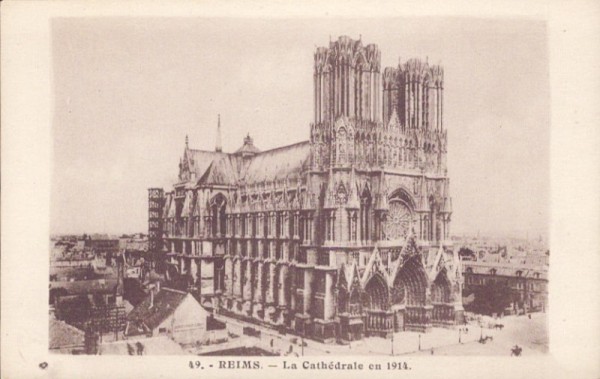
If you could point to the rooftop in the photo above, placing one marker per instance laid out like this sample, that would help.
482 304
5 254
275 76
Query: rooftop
63 335
87 286
248 164
248 147
506 269
151 312
505 264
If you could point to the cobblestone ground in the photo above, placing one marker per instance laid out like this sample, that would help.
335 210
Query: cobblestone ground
530 334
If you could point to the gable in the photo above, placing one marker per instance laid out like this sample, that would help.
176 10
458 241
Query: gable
200 161
190 312
164 305
224 170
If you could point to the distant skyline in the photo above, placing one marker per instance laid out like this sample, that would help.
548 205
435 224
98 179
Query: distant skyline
128 91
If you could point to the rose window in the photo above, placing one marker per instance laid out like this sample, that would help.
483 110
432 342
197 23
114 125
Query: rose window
398 221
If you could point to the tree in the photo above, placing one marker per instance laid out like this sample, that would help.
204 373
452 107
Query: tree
467 253
74 311
494 297
133 291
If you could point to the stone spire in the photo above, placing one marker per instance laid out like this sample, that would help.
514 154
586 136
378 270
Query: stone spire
187 142
219 148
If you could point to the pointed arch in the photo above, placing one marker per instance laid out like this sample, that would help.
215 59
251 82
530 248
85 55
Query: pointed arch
403 194
358 60
412 279
376 294
365 214
398 291
218 205
441 289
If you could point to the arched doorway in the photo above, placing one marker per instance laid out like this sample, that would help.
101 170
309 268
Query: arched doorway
413 279
349 310
441 288
441 299
376 304
376 292
410 291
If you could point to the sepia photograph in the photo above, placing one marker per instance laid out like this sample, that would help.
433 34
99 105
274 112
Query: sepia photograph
265 188
224 189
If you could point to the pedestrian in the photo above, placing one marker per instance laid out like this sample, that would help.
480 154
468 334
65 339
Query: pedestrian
432 351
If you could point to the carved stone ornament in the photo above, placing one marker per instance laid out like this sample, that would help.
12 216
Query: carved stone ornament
341 196
398 223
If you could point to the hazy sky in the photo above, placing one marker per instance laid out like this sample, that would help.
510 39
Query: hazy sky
128 90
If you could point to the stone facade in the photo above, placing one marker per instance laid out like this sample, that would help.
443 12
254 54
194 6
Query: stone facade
341 236
528 284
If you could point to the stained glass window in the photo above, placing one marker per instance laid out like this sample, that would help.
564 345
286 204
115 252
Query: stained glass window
398 221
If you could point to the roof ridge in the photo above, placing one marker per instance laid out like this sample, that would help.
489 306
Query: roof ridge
208 151
283 147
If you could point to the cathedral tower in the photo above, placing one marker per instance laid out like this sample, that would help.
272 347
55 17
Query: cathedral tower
414 90
338 237
347 81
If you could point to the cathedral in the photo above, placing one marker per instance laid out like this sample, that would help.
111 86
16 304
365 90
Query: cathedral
342 236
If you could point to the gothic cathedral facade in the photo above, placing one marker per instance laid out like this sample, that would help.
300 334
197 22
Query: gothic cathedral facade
342 236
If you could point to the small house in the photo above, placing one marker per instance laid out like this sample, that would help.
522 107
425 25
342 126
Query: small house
171 313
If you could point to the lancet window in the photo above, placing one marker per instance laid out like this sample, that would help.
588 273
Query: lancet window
365 208
219 219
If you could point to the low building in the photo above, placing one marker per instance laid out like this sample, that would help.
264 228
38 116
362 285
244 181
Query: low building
168 312
133 246
528 283
101 244
106 289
